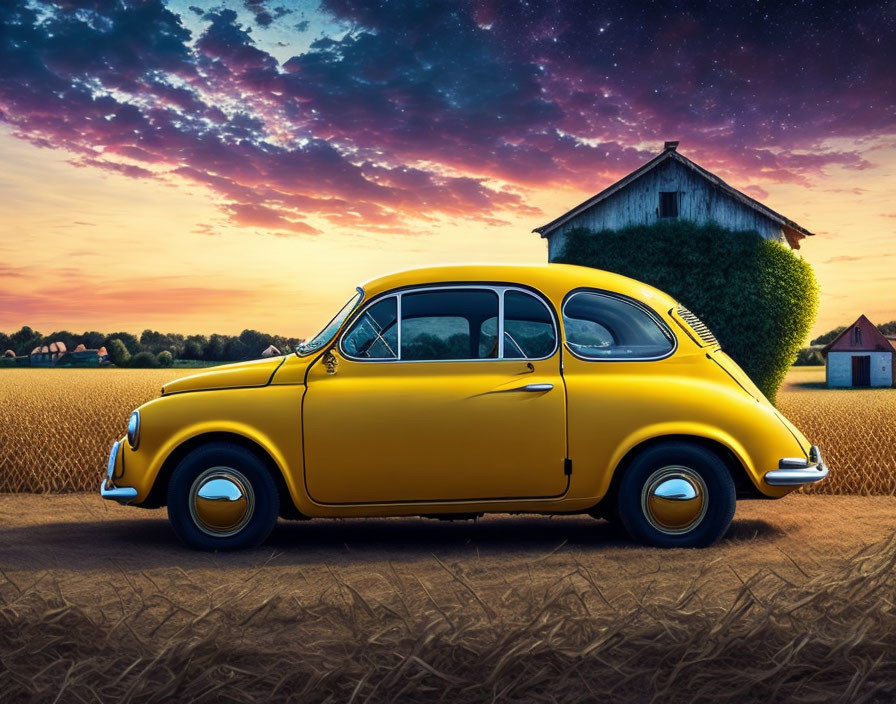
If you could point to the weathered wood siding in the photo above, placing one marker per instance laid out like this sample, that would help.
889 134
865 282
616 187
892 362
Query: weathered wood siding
638 204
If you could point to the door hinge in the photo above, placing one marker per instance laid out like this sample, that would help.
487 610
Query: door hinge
567 466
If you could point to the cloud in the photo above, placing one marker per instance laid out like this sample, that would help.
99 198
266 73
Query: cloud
420 112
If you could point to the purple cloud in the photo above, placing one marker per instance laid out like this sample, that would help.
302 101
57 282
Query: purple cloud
443 109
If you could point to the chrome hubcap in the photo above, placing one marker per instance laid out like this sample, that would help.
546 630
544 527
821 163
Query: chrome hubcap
674 499
221 501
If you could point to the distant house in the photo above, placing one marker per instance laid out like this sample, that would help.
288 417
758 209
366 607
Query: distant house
271 351
82 358
47 355
56 355
860 356
671 186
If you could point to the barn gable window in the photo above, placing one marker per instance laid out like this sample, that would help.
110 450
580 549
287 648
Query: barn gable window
857 335
668 204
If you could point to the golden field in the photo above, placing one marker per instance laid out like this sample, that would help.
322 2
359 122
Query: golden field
855 429
57 425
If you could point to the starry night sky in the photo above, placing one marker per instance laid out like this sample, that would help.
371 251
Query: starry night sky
302 119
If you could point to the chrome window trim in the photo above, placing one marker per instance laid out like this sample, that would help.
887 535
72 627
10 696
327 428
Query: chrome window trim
298 351
498 289
652 314
357 318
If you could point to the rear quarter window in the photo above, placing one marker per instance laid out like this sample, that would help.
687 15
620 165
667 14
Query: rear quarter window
603 326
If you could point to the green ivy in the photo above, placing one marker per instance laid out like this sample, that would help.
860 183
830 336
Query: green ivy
757 296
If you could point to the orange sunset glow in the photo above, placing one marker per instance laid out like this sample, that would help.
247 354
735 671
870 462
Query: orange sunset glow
290 190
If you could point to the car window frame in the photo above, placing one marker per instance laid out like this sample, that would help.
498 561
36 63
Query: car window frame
652 314
498 288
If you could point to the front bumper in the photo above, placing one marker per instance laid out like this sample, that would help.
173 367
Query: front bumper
108 490
121 494
794 471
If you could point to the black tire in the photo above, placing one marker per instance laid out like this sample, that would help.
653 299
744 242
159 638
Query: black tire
705 474
246 472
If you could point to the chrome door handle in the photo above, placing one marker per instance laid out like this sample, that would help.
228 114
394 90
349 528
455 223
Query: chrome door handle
536 388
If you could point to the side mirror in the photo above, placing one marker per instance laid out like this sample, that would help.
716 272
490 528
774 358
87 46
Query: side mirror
331 361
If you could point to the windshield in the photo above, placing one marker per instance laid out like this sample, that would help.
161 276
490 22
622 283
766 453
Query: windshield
329 331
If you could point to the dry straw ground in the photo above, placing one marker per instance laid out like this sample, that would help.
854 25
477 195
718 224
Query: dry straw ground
56 426
794 605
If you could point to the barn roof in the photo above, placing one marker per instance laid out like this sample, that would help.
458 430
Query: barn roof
792 230
873 340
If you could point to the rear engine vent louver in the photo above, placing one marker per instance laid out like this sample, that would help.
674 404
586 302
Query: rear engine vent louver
698 326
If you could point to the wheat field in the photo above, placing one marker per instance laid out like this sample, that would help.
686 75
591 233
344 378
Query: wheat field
57 425
855 429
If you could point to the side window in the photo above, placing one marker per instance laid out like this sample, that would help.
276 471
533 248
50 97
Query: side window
528 327
374 335
488 339
599 326
445 325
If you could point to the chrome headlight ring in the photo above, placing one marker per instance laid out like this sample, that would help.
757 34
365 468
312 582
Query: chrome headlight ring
134 430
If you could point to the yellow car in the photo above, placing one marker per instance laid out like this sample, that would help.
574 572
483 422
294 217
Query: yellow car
454 391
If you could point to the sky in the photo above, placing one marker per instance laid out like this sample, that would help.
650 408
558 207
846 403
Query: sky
209 167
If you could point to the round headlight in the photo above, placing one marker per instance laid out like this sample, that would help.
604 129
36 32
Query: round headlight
134 429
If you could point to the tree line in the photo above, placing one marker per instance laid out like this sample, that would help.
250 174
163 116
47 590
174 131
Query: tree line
153 348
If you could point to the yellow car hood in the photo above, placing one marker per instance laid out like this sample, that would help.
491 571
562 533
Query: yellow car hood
258 372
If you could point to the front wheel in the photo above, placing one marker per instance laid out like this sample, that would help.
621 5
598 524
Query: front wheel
222 497
676 494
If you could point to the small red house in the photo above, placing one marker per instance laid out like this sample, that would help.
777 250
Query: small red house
860 356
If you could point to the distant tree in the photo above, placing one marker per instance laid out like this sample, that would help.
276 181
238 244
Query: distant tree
888 329
152 341
807 357
118 352
164 359
155 342
255 342
828 336
5 342
235 350
144 360
192 350
201 339
69 339
25 340
130 341
93 340
214 350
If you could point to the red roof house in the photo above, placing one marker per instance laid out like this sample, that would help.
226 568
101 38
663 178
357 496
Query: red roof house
860 356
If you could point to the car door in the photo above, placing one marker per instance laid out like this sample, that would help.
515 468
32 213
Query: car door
433 395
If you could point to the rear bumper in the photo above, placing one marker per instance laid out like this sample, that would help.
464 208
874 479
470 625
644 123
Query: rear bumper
797 471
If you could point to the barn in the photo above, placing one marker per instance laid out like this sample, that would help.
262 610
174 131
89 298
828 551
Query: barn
860 356
671 186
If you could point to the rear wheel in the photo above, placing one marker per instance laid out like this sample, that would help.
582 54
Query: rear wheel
676 494
222 497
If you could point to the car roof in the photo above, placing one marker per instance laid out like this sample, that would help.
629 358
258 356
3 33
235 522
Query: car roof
553 280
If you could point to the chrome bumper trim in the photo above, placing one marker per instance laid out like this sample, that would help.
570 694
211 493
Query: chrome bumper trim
121 494
796 472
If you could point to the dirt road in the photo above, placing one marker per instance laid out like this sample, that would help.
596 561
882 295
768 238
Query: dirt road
364 596
93 545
